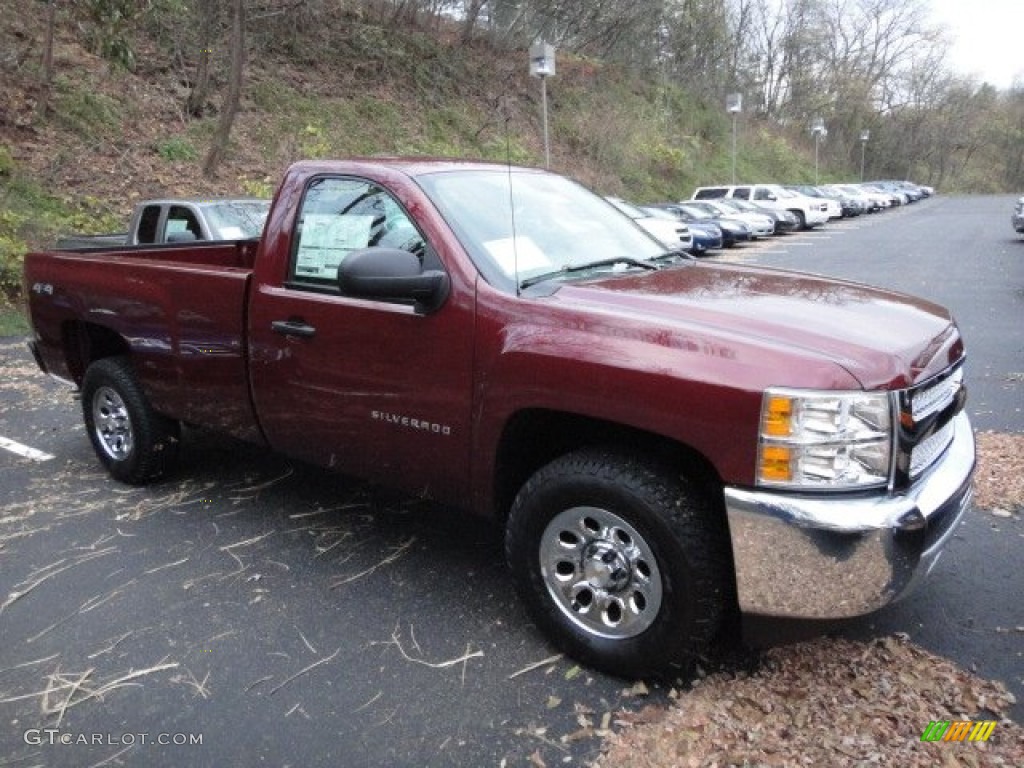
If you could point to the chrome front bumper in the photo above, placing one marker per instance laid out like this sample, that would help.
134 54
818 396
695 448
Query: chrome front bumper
816 557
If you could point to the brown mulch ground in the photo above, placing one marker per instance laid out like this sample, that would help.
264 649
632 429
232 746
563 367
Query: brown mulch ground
999 479
838 702
823 703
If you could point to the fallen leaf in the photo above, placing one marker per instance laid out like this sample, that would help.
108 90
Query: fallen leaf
638 689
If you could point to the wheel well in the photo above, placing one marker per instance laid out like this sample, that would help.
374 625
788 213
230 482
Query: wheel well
535 438
85 343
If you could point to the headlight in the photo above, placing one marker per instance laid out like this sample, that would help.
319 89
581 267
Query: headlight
821 440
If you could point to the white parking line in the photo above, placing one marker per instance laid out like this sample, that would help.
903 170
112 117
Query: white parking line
24 450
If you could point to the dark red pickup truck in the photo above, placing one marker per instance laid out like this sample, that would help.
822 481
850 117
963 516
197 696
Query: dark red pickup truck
666 442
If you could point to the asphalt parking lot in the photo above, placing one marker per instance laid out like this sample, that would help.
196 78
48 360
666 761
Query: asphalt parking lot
286 616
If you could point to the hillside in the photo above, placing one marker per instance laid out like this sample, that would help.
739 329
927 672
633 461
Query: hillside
111 136
116 135
332 79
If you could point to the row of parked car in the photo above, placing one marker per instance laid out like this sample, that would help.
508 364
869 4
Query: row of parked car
721 216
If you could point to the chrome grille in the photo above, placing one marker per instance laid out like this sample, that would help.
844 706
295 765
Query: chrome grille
929 449
930 399
926 426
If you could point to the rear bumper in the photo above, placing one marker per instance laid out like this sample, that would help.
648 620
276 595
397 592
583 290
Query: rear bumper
822 558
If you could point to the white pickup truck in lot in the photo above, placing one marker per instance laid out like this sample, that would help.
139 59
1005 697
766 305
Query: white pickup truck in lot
810 212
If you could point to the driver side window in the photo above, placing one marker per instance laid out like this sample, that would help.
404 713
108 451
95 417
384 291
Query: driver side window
341 215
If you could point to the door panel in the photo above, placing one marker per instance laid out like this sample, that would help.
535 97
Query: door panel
370 388
375 390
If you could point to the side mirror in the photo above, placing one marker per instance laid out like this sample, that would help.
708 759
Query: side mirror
395 275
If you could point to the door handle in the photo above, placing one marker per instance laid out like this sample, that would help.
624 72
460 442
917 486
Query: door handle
293 328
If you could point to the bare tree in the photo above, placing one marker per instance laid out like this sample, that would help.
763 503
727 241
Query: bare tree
472 9
697 33
219 145
206 17
46 73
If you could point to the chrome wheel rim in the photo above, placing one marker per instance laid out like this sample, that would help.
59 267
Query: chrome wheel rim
600 572
112 424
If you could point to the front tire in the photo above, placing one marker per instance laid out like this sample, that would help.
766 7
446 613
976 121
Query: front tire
622 562
136 444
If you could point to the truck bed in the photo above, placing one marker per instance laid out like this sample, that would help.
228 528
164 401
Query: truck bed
179 310
239 254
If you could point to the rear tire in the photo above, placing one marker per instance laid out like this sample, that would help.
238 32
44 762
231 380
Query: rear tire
621 561
135 443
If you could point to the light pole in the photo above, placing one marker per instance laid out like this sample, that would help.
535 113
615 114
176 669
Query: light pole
865 136
734 105
542 65
820 131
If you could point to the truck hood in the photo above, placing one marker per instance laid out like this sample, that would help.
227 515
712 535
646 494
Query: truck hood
885 340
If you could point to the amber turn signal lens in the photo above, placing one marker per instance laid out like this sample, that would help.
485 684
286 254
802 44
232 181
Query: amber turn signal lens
778 417
776 464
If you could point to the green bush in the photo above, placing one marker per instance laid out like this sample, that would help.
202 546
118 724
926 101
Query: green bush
12 251
32 219
6 161
258 188
109 27
315 144
177 149
85 112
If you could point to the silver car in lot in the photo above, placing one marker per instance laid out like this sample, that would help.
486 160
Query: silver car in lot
669 231
1018 216
759 224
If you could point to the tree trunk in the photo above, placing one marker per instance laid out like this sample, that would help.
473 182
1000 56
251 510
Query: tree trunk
207 19
46 76
219 145
469 24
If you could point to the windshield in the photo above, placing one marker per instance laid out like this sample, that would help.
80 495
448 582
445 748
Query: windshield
557 223
627 208
237 219
721 207
743 205
659 213
697 213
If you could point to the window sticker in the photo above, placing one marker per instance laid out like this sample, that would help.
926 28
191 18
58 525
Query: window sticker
232 233
521 256
326 240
